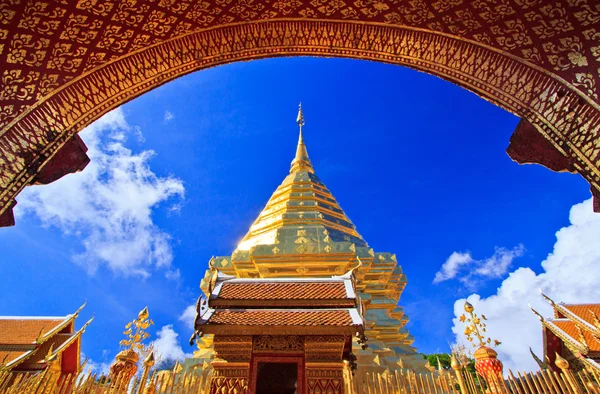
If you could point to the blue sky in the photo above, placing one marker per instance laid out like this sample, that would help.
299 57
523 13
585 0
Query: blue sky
180 173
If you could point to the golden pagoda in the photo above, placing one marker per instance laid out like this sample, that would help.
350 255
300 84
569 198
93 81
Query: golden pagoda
303 233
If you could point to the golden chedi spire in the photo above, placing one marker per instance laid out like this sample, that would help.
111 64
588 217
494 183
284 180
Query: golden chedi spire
301 161
303 232
302 203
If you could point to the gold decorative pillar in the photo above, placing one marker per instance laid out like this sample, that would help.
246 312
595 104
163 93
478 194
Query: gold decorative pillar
566 369
124 368
125 365
486 361
231 365
151 388
458 370
324 364
489 367
148 363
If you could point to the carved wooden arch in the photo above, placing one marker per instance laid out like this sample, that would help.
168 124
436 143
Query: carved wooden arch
53 87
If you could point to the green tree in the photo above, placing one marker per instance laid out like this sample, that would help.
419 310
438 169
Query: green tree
433 360
445 360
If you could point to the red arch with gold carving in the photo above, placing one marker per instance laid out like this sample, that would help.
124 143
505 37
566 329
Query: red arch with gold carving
66 63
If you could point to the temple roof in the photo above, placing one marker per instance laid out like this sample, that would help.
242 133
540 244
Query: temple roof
234 292
583 311
577 325
301 202
26 331
28 340
570 329
283 291
281 321
283 317
288 305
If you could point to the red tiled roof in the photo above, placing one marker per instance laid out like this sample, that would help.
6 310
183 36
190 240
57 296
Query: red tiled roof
6 356
338 318
569 328
583 311
25 331
283 291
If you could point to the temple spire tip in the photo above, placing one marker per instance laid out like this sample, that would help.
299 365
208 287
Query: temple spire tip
300 117
301 160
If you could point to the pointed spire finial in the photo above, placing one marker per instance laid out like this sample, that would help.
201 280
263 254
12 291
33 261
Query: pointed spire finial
301 162
300 118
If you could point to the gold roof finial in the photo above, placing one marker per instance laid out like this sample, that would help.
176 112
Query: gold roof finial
301 162
136 331
475 329
561 362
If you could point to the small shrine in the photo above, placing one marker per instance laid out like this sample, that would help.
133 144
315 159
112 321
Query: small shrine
31 344
281 335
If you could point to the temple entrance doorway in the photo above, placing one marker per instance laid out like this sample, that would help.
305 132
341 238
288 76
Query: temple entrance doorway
275 378
276 374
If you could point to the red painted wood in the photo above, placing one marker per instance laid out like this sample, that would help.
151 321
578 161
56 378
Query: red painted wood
69 362
7 218
528 146
69 159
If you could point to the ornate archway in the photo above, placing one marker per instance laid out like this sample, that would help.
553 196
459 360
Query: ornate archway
66 63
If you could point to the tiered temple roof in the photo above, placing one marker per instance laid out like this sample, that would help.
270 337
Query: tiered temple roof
303 232
245 306
28 343
573 332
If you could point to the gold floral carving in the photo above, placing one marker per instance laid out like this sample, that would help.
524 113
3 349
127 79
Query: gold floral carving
229 379
64 65
269 343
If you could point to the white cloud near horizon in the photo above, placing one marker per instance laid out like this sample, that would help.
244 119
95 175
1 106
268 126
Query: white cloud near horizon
166 346
189 316
109 205
570 274
471 272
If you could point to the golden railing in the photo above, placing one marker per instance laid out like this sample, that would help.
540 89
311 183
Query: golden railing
462 381
398 382
88 383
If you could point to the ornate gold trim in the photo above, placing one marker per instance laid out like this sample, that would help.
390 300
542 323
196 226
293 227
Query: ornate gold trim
565 116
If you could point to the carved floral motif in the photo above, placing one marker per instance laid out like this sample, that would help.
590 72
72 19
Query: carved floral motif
60 42
288 343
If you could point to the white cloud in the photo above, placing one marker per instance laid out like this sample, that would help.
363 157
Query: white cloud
99 368
570 275
168 115
109 205
189 316
452 265
493 267
497 265
166 345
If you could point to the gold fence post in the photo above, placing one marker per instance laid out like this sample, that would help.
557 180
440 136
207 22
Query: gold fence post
458 367
566 369
148 363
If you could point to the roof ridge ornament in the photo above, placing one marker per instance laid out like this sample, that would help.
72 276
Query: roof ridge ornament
301 161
